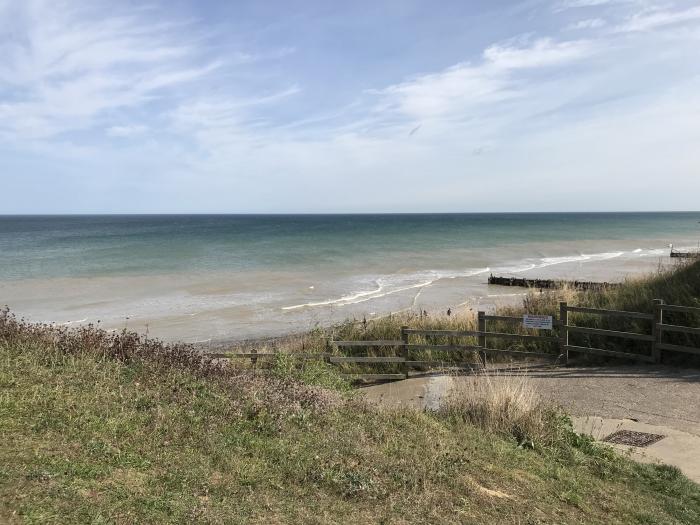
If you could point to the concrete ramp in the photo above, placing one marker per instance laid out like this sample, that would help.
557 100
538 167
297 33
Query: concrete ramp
602 400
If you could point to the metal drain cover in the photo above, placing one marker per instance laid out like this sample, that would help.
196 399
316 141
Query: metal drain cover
632 438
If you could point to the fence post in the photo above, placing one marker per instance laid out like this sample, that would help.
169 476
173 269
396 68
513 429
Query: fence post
481 318
404 349
327 351
563 331
656 330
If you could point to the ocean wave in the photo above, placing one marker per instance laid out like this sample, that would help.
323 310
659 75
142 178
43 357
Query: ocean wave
544 262
344 299
393 284
516 269
551 261
652 252
358 297
389 285
68 323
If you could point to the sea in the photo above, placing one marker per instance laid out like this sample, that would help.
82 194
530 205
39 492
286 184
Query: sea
213 278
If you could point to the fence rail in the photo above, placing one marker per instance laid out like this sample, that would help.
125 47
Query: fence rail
405 347
367 343
609 313
476 342
676 308
453 333
609 353
367 360
609 333
677 328
253 356
658 329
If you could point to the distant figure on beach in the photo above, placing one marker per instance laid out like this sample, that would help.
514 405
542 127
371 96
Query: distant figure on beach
449 312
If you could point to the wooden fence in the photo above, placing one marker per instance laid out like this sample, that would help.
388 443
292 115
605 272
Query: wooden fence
254 355
662 328
554 344
477 344
652 343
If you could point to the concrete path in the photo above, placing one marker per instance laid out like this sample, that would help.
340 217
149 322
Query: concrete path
663 400
677 448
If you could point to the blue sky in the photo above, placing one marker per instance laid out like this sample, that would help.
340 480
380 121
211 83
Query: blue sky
315 106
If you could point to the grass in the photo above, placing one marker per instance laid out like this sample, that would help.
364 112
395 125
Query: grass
111 428
678 284
506 404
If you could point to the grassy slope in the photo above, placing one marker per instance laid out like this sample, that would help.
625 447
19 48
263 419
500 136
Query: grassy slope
88 438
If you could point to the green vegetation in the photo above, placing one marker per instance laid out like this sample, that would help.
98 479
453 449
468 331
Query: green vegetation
678 285
111 428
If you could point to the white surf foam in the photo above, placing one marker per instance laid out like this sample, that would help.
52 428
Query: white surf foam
544 262
391 284
652 252
515 269
551 261
341 300
68 323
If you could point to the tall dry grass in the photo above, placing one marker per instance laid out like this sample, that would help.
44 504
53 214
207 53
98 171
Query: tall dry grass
506 403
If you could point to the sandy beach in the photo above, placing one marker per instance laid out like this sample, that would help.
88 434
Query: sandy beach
228 306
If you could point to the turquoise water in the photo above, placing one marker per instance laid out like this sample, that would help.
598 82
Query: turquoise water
79 246
202 277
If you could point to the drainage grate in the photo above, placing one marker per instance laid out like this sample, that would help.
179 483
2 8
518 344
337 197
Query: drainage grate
632 438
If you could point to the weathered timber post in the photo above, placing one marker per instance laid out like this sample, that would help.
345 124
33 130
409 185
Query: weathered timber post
656 330
327 351
481 318
563 331
404 349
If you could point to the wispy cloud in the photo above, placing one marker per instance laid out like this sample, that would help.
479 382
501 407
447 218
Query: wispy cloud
589 23
648 20
126 131
574 4
542 53
219 126
218 123
66 67
465 86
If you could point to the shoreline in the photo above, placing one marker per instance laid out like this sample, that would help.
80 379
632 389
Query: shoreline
224 309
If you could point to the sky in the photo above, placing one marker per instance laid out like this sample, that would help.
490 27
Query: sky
368 106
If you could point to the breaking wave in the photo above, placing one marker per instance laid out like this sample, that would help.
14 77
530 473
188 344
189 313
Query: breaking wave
389 285
392 284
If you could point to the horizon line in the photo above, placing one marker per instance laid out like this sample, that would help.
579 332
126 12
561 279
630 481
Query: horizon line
156 214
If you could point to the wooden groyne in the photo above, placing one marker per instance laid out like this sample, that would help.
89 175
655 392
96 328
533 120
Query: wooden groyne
549 283
685 255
